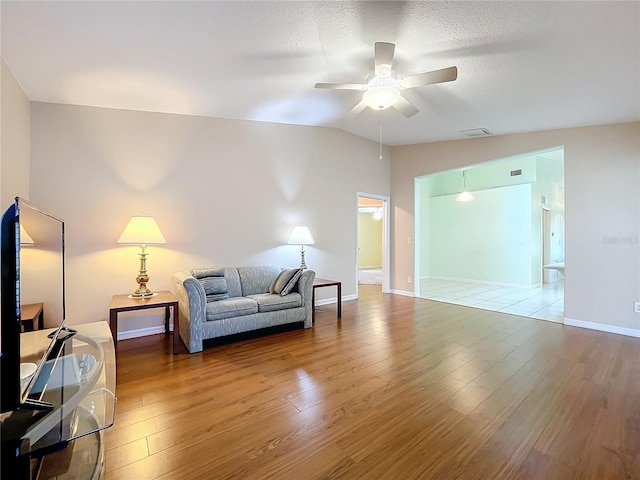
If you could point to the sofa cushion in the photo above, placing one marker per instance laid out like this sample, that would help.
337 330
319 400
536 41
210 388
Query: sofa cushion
215 288
284 279
207 272
292 283
231 307
257 279
271 302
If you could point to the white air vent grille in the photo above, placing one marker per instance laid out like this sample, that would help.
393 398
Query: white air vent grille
477 132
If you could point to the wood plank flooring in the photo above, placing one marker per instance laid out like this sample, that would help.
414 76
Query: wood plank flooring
399 388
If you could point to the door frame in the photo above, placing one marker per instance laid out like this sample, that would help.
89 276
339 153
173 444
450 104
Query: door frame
385 238
545 245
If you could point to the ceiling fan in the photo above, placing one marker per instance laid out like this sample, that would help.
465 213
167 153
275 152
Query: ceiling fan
382 90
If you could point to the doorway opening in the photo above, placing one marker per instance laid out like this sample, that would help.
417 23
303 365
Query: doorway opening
502 249
372 241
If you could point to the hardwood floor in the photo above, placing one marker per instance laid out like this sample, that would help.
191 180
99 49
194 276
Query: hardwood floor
400 388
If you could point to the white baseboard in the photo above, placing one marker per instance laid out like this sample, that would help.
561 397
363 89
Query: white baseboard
328 301
402 292
482 282
142 332
630 332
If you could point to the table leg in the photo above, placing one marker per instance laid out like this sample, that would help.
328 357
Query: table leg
113 324
166 320
313 305
339 300
176 329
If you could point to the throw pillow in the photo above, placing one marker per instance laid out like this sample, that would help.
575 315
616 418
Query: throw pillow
292 282
282 280
215 288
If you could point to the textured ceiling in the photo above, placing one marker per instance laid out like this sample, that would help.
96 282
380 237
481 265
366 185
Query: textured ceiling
522 66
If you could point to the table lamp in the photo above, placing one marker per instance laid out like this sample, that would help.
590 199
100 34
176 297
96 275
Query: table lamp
142 230
25 238
301 236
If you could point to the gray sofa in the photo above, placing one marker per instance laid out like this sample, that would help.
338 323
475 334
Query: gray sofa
223 301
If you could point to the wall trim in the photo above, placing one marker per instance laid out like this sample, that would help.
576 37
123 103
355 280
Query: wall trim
327 301
402 292
630 332
482 282
143 332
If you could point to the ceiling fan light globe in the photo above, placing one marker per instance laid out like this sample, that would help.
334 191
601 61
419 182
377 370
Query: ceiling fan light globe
380 98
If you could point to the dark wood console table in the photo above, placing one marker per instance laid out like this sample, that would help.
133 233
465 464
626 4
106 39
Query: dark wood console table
323 282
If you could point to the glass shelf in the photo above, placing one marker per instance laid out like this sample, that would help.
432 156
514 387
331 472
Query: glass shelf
79 381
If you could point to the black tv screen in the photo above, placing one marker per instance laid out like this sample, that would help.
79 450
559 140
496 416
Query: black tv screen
33 277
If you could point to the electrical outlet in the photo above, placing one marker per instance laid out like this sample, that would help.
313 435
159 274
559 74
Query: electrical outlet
636 307
408 239
409 279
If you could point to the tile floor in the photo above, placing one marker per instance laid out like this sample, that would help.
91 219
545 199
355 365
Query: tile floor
544 303
370 276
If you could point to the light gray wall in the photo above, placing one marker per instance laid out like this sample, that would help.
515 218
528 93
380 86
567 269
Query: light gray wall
224 192
15 127
602 212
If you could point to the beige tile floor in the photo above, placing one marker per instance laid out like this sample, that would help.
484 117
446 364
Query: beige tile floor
544 303
370 276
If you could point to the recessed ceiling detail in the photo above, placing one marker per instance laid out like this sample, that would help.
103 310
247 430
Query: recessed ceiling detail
477 132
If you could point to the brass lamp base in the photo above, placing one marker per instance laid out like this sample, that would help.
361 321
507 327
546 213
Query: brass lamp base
142 279
142 296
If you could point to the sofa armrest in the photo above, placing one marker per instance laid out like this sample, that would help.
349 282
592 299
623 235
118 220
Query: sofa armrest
192 302
305 289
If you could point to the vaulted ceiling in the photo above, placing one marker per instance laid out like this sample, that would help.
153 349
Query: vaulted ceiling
522 66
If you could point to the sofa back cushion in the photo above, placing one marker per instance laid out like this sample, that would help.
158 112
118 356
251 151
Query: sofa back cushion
213 282
254 280
215 288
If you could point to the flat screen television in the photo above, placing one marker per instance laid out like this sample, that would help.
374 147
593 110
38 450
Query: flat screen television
32 275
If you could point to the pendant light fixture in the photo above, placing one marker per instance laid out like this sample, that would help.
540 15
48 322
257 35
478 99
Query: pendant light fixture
464 196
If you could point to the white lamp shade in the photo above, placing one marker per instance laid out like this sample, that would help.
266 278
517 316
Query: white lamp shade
301 236
141 230
25 238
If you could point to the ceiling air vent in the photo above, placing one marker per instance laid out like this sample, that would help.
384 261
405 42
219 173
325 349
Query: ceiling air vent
477 132
515 173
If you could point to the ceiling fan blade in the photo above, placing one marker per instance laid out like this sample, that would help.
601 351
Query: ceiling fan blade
342 86
357 109
429 78
384 54
405 107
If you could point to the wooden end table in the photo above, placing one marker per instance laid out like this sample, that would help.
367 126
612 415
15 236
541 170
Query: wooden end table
166 299
29 314
323 282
